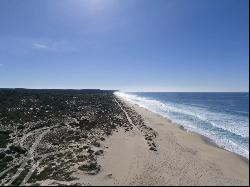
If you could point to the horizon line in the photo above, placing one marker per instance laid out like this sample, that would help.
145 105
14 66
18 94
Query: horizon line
126 91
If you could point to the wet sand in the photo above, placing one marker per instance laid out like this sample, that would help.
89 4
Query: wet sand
182 158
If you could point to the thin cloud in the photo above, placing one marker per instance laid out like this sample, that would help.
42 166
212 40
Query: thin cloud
54 46
1 65
40 46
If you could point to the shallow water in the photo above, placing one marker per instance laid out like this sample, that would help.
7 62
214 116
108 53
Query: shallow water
222 117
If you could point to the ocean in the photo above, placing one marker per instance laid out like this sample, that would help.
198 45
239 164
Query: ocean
222 117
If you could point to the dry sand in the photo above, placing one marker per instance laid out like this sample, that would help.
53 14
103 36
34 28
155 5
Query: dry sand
183 158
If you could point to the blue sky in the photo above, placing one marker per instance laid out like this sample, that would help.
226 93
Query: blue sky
132 45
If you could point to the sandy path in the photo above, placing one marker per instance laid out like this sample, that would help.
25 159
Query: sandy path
182 159
30 156
123 157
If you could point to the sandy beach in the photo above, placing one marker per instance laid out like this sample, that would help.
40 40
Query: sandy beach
182 158
105 140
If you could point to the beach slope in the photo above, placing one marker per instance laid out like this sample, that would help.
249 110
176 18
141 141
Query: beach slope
182 158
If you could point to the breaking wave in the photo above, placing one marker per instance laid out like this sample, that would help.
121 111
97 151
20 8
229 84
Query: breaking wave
227 130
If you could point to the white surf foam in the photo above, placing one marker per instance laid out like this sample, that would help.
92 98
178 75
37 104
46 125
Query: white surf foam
223 129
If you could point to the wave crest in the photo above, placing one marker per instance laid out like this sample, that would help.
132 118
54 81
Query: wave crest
228 131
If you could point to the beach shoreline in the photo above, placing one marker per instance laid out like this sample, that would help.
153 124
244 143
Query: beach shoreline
105 140
206 139
182 157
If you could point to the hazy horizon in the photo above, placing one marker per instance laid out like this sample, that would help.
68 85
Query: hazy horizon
128 91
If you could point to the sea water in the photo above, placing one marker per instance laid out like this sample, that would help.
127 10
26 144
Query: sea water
222 117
